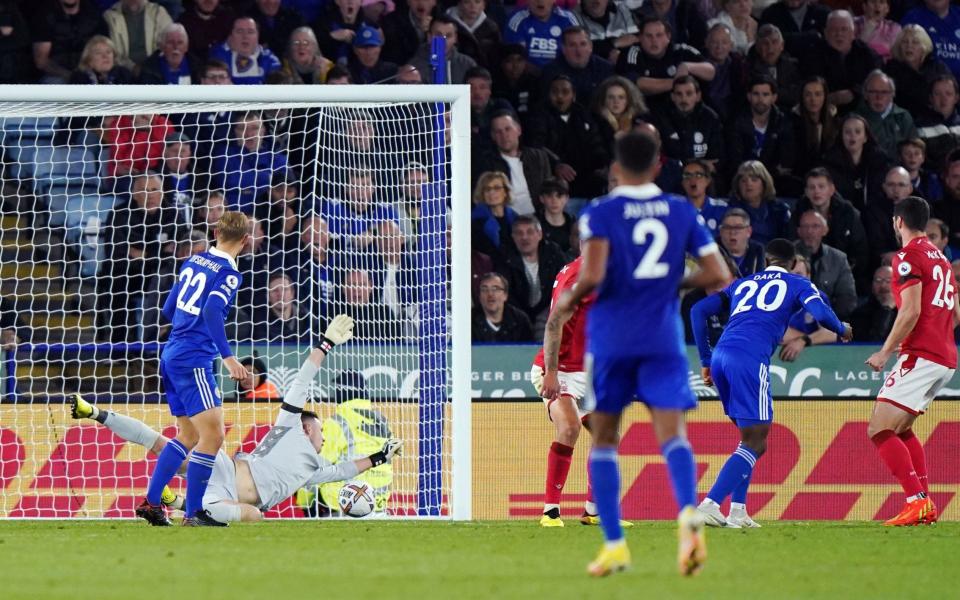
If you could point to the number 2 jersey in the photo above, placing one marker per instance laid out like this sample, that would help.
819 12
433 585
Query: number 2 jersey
573 340
194 339
637 310
932 337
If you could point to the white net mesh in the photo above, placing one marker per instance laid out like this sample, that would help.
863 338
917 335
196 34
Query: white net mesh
102 203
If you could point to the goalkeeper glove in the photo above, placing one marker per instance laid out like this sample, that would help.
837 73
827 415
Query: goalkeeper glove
338 331
391 448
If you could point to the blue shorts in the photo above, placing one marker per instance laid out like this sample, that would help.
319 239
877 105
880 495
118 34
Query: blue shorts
743 384
657 381
189 390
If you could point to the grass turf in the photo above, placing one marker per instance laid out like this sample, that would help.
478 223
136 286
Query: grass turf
376 559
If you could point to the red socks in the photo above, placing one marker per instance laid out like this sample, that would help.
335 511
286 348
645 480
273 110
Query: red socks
917 456
894 453
558 465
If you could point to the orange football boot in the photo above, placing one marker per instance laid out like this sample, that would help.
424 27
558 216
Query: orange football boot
914 513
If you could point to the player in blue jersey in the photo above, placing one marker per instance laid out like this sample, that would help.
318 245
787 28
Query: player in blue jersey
761 305
634 244
197 306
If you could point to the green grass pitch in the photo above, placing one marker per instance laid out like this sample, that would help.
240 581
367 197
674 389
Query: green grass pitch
385 560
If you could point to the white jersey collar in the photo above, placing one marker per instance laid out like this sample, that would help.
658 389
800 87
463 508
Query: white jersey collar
221 254
774 268
637 192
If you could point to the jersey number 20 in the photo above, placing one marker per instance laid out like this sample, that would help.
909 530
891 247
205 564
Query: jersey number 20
764 302
190 281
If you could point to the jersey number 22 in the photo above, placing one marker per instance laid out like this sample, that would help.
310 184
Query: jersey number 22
191 282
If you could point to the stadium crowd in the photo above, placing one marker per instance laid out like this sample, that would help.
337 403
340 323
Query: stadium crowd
798 119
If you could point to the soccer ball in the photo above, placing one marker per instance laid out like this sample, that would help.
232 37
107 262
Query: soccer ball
356 498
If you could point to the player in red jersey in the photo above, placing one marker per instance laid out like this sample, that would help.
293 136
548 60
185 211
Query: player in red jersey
923 332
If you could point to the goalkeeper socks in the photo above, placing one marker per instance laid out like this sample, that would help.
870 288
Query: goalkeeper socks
917 457
683 471
558 466
128 428
605 475
199 468
168 463
735 471
893 452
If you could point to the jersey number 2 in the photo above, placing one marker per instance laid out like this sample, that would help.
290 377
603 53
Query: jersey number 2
750 289
944 295
191 281
650 266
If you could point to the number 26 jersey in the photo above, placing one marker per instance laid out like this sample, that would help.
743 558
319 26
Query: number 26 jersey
202 276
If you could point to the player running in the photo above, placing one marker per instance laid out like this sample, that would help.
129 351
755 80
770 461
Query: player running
634 245
558 375
761 306
923 335
287 458
197 306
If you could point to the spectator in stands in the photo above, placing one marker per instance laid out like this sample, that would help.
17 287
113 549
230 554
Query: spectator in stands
517 81
890 124
914 67
248 61
97 65
279 210
565 128
338 76
492 216
471 18
735 14
276 23
800 21
697 177
406 29
874 29
830 270
482 106
768 59
314 263
373 321
375 10
682 16
408 74
394 276
353 219
753 191
724 93
134 26
555 222
656 62
948 210
254 264
208 23
939 127
257 386
689 128
526 167
578 62
941 20
532 269
939 235
764 133
459 64
616 103
208 211
303 60
242 167
815 124
873 320
135 143
170 64
878 215
16 64
737 245
495 320
841 59
858 166
365 63
538 28
177 173
926 183
284 320
408 203
12 328
337 28
61 31
609 26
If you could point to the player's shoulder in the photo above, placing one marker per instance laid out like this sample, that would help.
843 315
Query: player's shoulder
517 19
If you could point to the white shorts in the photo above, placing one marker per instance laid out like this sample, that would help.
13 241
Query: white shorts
571 384
223 480
913 383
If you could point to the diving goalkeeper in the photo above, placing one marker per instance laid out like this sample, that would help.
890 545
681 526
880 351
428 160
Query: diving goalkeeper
286 459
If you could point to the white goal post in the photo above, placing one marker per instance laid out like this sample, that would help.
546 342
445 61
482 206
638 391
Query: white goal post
356 193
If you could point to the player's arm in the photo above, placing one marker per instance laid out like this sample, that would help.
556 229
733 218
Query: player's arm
170 304
699 314
907 316
212 315
827 318
552 335
713 270
349 469
794 341
593 270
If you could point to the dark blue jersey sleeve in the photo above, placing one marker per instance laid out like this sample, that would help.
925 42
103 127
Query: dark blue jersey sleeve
213 318
706 308
823 314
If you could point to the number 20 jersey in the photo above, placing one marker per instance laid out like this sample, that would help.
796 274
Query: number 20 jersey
932 337
637 310
207 274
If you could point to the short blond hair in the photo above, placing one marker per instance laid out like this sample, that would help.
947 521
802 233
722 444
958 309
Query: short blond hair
912 30
232 226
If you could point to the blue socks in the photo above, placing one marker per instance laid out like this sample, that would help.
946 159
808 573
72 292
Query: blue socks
198 474
605 478
168 463
683 471
734 477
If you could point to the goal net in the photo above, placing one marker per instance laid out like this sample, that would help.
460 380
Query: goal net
355 194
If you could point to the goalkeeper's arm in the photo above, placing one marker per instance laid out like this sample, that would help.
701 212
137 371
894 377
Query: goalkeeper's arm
348 469
338 331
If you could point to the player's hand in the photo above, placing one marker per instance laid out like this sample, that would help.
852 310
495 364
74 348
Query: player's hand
789 351
237 371
340 329
565 172
878 360
551 385
706 376
847 333
391 448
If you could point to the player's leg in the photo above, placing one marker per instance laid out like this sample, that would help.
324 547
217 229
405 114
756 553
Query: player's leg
566 422
209 426
753 443
220 502
230 511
